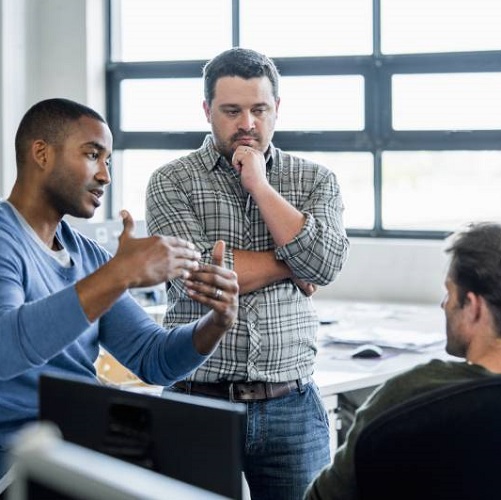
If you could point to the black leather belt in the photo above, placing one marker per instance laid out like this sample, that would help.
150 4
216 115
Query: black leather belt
242 391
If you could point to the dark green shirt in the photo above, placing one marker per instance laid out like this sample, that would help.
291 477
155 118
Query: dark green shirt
337 481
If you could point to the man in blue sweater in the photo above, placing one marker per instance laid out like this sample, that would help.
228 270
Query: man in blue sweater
62 295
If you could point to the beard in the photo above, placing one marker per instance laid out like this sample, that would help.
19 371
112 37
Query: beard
455 346
69 200
227 147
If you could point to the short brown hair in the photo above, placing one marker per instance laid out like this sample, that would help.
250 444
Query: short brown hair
476 264
244 63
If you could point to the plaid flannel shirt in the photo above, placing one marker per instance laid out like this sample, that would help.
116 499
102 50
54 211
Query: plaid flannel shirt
200 198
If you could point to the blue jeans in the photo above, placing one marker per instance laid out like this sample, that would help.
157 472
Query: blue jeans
286 444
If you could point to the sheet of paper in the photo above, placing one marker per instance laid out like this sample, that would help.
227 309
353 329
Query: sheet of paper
384 337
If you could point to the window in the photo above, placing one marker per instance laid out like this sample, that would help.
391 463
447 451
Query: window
433 190
446 101
391 95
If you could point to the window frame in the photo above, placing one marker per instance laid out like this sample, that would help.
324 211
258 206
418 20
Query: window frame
378 135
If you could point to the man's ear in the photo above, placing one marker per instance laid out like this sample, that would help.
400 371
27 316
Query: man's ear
475 306
40 153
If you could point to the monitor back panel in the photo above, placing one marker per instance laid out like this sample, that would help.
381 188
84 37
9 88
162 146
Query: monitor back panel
193 439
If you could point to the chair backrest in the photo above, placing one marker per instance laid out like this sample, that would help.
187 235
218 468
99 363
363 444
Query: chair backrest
445 444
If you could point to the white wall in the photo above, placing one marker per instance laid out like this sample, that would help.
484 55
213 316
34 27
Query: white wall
48 48
391 271
13 78
56 48
70 51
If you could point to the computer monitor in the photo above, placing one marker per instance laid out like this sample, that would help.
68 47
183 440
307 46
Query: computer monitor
196 440
50 468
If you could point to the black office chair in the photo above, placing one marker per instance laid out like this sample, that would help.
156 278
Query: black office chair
442 445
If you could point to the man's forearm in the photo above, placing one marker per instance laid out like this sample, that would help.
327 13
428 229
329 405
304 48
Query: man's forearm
256 270
284 221
100 290
207 335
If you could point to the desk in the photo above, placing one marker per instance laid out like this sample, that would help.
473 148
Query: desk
336 372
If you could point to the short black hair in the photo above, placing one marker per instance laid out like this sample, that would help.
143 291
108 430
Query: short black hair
48 120
476 264
244 63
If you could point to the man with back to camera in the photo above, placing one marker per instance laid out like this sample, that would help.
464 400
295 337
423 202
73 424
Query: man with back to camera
62 296
472 307
281 217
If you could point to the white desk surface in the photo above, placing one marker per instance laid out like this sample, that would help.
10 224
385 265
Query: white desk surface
337 372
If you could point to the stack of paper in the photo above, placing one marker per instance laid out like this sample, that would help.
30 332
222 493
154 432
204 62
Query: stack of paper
385 337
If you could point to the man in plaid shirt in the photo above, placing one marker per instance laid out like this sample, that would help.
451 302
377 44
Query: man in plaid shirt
281 218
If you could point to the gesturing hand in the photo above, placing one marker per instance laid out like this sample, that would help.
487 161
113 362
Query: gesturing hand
217 287
155 259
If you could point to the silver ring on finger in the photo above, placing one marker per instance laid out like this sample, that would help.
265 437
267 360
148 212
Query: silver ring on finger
218 293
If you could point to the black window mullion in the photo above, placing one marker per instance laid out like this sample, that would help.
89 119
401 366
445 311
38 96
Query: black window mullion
235 23
456 62
159 140
377 109
322 141
460 140
378 135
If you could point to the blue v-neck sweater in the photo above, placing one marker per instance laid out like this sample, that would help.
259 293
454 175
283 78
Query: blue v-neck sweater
44 329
